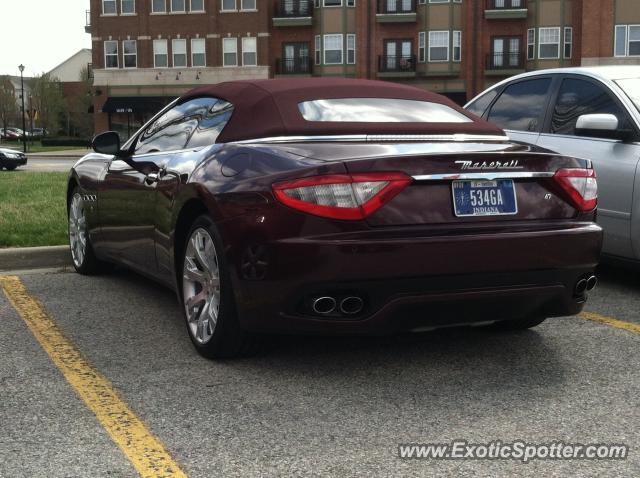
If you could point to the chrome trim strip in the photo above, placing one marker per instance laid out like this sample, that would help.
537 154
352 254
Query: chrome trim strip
376 138
485 176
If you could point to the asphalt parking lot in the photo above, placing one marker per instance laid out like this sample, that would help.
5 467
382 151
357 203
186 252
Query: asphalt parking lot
308 406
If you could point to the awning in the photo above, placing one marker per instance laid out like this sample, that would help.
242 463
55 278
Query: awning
135 104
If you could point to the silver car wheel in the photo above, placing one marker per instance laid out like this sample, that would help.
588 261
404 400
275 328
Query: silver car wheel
201 285
77 230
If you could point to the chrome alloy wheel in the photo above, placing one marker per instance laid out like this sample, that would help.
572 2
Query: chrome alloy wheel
77 230
201 285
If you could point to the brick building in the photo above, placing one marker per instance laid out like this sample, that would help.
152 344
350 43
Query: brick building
146 52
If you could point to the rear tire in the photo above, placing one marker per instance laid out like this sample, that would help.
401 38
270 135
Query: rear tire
206 295
522 324
84 259
10 168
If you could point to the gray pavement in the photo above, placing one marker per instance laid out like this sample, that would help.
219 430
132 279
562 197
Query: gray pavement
312 406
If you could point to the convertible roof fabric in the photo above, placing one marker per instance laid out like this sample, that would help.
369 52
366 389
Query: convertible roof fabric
267 108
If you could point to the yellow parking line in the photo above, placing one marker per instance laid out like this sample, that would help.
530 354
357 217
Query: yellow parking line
619 324
145 451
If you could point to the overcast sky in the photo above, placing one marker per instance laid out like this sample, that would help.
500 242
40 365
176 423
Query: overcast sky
40 34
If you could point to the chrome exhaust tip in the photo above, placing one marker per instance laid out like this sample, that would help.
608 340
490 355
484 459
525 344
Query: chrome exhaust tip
351 305
324 305
581 287
592 282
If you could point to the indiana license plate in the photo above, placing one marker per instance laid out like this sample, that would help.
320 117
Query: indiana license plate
484 198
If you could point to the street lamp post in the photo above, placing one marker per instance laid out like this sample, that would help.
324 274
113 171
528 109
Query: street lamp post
24 125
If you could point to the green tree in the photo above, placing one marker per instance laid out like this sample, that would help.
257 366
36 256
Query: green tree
80 120
48 101
8 107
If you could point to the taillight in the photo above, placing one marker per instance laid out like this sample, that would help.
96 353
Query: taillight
341 196
581 187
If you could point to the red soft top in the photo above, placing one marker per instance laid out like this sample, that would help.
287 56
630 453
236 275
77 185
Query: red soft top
267 108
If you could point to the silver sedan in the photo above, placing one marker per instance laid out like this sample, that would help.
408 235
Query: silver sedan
591 113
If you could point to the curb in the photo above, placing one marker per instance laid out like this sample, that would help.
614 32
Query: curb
18 258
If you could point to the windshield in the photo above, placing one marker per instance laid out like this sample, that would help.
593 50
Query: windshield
631 86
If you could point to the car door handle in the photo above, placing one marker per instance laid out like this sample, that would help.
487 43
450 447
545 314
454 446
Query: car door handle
152 178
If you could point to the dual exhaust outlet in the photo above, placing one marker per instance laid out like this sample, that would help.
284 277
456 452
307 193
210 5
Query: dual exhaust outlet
585 285
326 305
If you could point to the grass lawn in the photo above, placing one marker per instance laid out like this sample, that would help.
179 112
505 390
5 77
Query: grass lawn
36 147
32 209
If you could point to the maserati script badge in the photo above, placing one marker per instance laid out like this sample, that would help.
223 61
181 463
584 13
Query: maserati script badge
513 164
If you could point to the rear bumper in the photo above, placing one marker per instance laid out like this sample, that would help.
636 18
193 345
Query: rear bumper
415 282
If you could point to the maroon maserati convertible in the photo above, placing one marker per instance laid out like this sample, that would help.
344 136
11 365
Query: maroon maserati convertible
336 206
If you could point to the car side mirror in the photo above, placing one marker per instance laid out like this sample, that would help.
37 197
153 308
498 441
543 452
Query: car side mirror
600 126
106 143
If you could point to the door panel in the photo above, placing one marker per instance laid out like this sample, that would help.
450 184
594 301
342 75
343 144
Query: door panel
126 209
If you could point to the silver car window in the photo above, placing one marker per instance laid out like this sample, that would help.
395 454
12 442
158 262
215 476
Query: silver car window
579 97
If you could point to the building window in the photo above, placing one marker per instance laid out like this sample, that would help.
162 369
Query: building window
249 51
457 45
198 52
333 3
333 49
351 49
351 3
230 52
439 46
248 5
128 7
197 6
438 1
130 53
549 43
178 6
422 47
531 43
159 6
109 7
111 54
505 53
318 50
621 40
228 5
627 42
316 3
568 42
179 53
160 54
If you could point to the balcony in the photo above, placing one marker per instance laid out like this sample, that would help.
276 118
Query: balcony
293 13
504 64
396 11
87 25
396 66
506 10
293 66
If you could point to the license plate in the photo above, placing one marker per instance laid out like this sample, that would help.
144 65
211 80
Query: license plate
484 198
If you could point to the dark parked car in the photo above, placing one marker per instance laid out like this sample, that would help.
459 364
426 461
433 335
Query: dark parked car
10 159
336 206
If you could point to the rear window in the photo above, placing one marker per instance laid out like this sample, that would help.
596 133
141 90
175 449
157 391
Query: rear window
379 110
